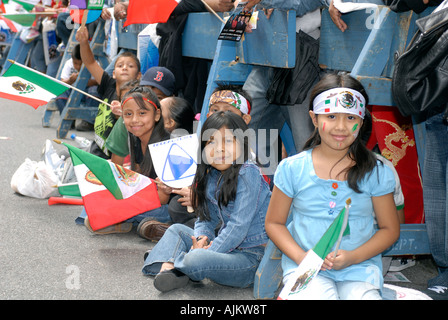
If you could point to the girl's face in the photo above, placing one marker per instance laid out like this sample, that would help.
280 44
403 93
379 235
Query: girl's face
222 149
168 122
337 130
140 122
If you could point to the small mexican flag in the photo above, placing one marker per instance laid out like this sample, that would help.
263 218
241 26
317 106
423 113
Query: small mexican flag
29 86
111 193
295 288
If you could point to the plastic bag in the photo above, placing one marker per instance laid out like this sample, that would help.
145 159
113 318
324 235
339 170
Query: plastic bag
148 47
35 179
49 40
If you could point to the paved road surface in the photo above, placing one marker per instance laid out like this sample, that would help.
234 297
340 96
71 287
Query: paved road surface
45 255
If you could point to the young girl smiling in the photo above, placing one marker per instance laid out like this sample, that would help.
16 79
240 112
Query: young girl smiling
314 186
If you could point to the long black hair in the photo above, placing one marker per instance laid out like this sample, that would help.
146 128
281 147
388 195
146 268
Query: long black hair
229 177
182 113
144 161
365 160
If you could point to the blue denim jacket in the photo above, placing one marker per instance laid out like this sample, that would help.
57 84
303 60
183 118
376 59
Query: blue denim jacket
242 219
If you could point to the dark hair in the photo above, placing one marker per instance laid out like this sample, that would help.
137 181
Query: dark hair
234 88
182 113
158 134
365 160
229 178
128 86
130 55
76 52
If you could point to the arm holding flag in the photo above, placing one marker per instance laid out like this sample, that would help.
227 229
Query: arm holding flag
87 57
388 233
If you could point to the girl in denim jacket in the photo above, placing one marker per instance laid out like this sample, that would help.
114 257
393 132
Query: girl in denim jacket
230 198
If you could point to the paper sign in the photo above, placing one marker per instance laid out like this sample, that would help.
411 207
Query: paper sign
175 160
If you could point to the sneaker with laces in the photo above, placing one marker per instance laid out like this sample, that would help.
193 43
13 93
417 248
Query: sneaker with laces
151 229
401 264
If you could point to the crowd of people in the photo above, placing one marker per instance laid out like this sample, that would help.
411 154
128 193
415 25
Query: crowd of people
238 205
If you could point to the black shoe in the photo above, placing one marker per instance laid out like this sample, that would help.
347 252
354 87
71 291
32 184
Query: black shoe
437 292
168 280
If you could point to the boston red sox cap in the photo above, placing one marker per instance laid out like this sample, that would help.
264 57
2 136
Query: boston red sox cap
161 78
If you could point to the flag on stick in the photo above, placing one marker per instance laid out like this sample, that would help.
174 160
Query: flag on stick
149 11
110 192
32 87
295 288
85 11
24 19
28 5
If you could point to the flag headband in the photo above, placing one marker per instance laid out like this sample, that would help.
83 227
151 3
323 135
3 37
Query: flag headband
232 98
340 100
144 99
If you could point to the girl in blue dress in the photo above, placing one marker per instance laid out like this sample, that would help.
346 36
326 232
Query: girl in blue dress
314 186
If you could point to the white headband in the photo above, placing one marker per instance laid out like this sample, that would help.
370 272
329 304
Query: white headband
340 100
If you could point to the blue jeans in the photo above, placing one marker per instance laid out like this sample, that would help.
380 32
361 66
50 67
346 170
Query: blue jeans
269 116
160 214
435 182
236 268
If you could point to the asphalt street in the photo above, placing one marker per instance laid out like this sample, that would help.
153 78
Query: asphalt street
44 255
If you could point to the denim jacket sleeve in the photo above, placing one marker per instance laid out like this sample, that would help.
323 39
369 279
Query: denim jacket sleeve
300 6
241 214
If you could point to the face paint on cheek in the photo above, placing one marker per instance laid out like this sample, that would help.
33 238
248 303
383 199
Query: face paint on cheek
323 126
354 130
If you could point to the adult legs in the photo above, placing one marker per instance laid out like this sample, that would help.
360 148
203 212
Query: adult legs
435 194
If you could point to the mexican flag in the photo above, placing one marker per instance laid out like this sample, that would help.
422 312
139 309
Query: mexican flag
29 86
28 5
295 288
149 11
111 193
24 19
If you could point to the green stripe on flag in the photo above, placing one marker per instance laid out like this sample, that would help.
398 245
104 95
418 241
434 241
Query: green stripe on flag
328 240
27 5
37 79
24 19
99 167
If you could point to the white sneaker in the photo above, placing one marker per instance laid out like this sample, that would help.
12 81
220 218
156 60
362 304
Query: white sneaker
401 264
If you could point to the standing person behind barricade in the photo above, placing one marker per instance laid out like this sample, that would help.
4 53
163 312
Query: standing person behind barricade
144 122
315 184
126 68
228 189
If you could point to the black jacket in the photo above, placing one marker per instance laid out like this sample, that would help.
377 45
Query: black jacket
420 78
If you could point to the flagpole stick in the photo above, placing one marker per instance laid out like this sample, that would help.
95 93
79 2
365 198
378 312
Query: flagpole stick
344 225
84 18
36 13
212 11
62 83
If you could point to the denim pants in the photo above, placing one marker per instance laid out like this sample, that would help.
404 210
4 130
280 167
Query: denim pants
236 268
160 214
269 116
435 181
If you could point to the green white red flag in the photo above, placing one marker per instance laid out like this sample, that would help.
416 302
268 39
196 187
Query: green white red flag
295 288
25 85
111 193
